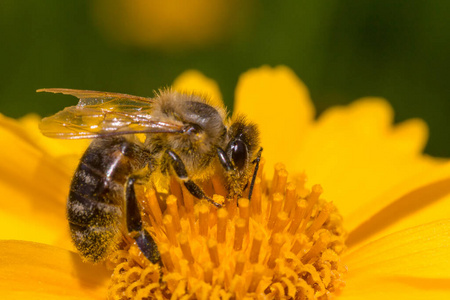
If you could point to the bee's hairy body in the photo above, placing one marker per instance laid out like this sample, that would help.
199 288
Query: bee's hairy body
185 137
196 150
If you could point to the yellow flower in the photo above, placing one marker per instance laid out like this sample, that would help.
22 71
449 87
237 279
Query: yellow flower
392 201
171 25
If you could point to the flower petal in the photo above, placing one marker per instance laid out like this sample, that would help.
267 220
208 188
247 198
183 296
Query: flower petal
34 189
354 152
280 104
58 148
398 288
194 81
39 221
411 264
419 200
36 271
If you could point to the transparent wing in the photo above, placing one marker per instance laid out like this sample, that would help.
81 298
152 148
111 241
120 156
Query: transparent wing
103 98
100 114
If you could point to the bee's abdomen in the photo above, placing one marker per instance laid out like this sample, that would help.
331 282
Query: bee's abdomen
93 243
86 210
96 198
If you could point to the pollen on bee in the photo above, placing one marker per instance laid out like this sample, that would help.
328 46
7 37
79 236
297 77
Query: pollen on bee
270 246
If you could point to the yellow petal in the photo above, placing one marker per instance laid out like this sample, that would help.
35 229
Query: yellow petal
280 104
34 189
66 152
36 271
27 216
28 166
409 137
399 288
417 251
356 153
194 81
410 264
422 199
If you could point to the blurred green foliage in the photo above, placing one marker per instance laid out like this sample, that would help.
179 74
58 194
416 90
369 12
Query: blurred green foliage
342 50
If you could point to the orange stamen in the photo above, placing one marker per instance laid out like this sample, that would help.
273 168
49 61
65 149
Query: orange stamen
319 220
232 207
256 247
312 200
300 181
175 189
256 278
153 206
281 182
208 272
213 252
219 185
170 229
280 223
278 167
166 258
299 213
239 234
298 244
188 200
172 208
276 247
240 263
290 198
277 202
222 217
183 239
313 253
244 211
203 219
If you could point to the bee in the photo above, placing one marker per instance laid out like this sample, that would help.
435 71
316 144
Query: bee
185 137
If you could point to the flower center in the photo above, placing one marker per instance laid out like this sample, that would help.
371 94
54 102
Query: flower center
285 243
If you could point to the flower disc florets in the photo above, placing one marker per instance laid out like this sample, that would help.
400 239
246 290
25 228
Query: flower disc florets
285 243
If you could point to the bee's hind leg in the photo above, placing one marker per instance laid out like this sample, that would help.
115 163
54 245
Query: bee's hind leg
180 171
143 239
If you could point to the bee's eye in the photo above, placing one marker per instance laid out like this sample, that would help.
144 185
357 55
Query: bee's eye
239 154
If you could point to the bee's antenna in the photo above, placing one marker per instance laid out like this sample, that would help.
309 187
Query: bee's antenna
255 172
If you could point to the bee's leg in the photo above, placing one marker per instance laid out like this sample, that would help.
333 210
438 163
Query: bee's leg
224 160
255 172
143 239
192 187
228 166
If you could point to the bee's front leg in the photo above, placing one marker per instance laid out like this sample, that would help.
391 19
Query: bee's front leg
143 239
255 172
224 160
180 170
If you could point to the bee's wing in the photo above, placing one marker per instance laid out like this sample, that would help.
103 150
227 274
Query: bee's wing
101 114
97 98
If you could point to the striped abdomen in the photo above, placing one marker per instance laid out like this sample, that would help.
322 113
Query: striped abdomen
96 198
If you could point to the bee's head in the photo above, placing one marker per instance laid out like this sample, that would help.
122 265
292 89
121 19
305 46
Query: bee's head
241 150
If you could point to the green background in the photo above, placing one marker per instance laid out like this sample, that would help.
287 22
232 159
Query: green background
342 50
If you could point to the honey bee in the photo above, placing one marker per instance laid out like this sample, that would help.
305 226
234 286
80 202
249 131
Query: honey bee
185 137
